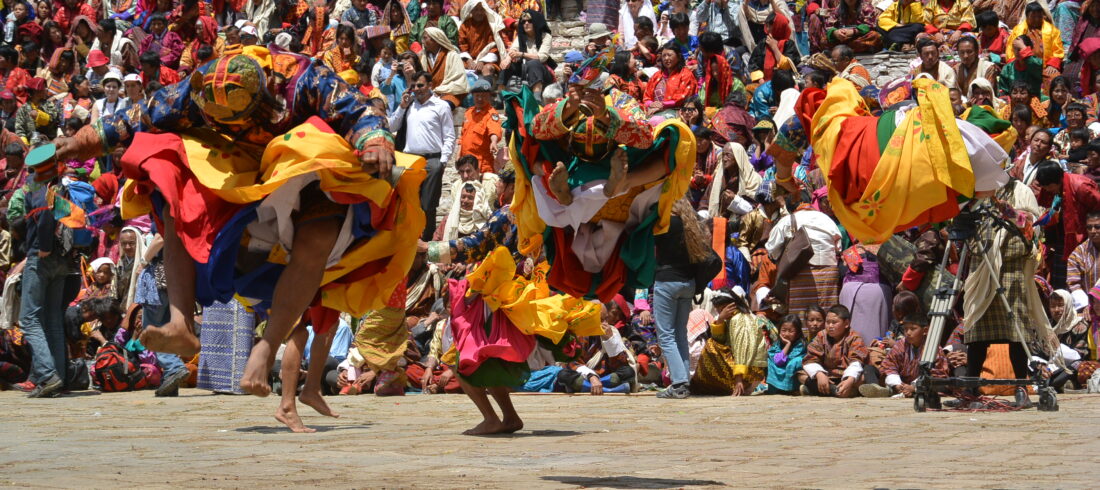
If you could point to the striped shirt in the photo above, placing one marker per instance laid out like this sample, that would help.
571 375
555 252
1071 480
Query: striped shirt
1082 269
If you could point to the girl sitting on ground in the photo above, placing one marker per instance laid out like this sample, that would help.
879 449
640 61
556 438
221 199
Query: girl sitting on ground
785 357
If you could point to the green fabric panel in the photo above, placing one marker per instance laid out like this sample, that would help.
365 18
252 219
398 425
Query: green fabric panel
886 126
986 120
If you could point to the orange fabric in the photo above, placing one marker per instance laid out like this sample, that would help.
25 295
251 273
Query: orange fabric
718 244
477 132
473 38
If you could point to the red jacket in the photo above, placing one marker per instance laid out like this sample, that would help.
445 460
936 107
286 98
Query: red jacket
678 87
1080 196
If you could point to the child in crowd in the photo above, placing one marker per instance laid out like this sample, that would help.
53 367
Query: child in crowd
785 357
902 362
834 362
815 321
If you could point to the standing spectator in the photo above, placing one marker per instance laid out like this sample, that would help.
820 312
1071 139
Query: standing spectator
1079 196
44 278
636 9
433 138
481 129
678 251
817 284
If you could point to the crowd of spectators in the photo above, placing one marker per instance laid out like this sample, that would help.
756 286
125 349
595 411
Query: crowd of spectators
851 322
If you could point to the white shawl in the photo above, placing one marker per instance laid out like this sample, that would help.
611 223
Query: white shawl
626 22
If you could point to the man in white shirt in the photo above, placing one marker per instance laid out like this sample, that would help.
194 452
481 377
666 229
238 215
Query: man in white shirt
430 133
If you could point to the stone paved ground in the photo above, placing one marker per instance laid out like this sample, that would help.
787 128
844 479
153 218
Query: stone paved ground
205 441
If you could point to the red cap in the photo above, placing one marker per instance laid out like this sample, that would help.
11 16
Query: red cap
96 58
36 83
623 306
7 95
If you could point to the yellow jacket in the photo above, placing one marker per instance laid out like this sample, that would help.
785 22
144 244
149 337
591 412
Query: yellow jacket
895 15
962 12
1053 51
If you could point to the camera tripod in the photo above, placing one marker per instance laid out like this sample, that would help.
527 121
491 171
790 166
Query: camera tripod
964 232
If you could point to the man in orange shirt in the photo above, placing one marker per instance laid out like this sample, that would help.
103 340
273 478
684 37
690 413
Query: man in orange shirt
481 131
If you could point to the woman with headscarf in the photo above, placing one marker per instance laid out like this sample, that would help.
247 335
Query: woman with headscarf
397 19
529 57
633 9
776 51
63 66
207 36
83 35
479 37
440 58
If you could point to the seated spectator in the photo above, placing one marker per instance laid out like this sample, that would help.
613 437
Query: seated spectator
474 205
992 38
1038 151
121 362
1075 114
901 366
716 78
785 357
672 86
435 18
948 20
981 94
1047 40
972 65
557 90
777 51
153 71
440 58
529 55
682 36
166 44
850 23
344 53
624 75
932 66
901 22
607 363
479 37
765 99
644 52
834 360
849 68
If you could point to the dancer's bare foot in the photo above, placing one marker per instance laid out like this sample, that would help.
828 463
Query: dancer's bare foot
317 402
486 427
288 415
559 184
173 338
511 425
617 181
254 380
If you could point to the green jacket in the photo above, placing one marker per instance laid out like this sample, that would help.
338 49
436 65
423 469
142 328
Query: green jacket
446 23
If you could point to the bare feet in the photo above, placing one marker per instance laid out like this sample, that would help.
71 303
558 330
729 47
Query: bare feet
559 184
511 425
173 338
317 402
617 181
288 415
486 427
254 380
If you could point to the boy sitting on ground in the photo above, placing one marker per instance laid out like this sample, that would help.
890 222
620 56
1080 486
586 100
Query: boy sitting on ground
834 361
902 362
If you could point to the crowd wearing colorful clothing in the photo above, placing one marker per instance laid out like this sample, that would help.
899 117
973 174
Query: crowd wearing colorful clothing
712 197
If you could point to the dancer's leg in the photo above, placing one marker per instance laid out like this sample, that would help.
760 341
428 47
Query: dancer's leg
298 284
287 412
318 357
177 336
510 419
491 423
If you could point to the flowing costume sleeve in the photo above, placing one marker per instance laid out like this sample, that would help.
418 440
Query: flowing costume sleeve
322 93
168 109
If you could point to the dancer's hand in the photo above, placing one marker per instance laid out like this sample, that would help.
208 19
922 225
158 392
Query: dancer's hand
376 160
66 148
